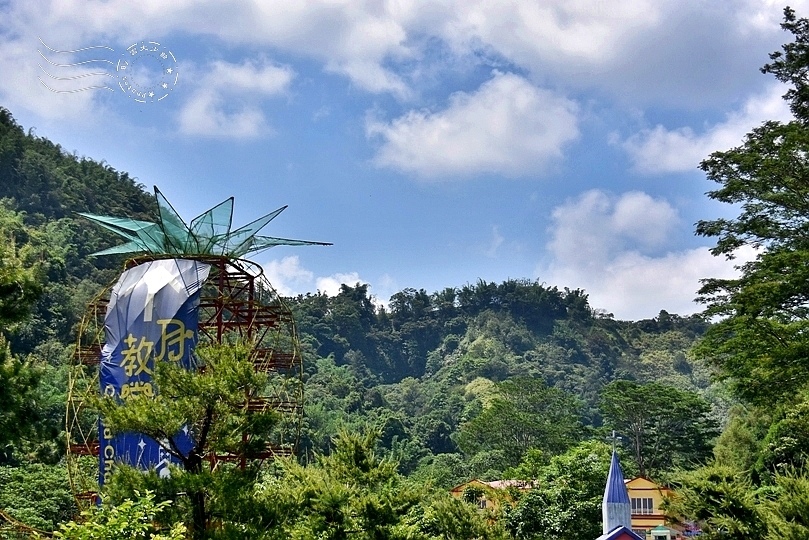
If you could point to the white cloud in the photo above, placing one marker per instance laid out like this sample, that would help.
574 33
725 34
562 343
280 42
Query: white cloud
354 39
660 150
330 285
686 54
554 31
768 14
495 242
263 77
634 286
589 228
290 278
211 111
287 276
610 247
651 50
371 76
508 126
20 86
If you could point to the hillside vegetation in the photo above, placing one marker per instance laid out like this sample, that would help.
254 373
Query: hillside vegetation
490 380
460 383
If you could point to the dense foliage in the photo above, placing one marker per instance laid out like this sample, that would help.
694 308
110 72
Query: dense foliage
756 485
470 381
511 380
566 502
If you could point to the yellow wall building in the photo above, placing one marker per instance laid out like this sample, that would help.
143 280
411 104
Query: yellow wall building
645 496
647 517
489 494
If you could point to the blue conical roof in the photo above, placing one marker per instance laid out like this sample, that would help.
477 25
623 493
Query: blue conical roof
615 490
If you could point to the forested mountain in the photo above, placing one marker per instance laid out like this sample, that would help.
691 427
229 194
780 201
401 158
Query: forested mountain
482 380
431 366
41 189
510 380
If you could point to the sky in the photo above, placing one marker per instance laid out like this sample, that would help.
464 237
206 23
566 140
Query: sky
435 143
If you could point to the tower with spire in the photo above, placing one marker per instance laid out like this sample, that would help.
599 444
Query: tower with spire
616 508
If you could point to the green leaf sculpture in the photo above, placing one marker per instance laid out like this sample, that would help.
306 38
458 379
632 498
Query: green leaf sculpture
210 233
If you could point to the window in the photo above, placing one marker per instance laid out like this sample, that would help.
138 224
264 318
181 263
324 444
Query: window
482 504
640 532
642 505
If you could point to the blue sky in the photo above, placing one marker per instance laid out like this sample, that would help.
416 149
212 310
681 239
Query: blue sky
434 143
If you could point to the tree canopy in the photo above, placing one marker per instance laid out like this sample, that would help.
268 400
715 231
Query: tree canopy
756 485
663 426
458 383
760 340
565 504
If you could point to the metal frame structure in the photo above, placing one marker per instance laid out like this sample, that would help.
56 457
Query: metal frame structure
237 303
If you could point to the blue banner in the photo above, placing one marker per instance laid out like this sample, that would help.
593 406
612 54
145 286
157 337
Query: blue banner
152 317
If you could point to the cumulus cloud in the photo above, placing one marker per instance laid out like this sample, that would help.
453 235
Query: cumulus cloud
211 109
330 285
287 276
20 85
661 150
508 126
634 286
614 249
554 31
588 229
684 54
650 50
290 278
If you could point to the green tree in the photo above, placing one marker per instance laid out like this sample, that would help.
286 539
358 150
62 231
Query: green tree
787 513
212 402
760 341
726 504
20 278
446 518
37 495
131 519
786 444
524 414
740 443
351 493
565 504
664 426
723 502
19 410
442 470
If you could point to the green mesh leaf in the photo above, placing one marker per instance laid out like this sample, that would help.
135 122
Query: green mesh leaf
153 238
240 240
264 242
210 227
129 247
177 236
209 233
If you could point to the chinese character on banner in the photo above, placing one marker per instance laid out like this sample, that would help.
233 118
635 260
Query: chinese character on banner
175 340
137 357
